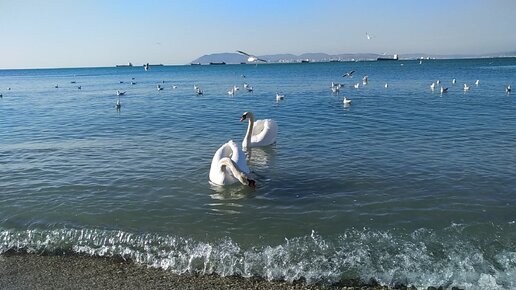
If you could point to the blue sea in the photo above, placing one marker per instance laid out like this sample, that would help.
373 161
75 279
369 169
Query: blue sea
405 185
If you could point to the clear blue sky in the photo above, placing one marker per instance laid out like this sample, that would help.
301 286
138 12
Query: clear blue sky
59 33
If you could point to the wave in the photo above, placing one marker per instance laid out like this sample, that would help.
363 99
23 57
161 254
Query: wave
422 258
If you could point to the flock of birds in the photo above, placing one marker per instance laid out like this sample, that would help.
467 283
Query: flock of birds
229 163
466 87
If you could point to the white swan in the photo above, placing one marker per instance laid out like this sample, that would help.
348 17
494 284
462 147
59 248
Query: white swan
260 132
229 166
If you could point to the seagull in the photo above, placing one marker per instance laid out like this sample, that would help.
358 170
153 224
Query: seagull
146 66
118 105
199 91
369 37
346 101
365 80
349 74
453 81
477 82
356 86
335 87
508 89
444 90
386 85
231 92
432 87
466 87
438 82
159 88
120 93
279 97
251 58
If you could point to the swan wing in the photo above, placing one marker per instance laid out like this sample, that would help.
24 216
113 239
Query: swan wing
218 175
264 132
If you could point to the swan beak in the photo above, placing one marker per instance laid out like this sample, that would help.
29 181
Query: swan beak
251 183
242 118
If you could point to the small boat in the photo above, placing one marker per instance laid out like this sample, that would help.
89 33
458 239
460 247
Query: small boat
217 63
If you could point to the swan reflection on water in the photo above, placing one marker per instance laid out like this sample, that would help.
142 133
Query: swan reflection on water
261 157
230 192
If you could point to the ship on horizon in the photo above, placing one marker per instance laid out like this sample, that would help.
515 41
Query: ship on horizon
395 57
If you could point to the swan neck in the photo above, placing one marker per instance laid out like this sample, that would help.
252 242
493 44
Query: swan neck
249 130
231 165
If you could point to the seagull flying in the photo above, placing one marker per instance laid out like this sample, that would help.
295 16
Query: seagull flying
349 74
369 37
251 58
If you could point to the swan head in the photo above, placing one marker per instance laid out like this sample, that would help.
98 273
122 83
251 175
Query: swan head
246 115
251 183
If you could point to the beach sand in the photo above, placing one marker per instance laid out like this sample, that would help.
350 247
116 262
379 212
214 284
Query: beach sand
31 271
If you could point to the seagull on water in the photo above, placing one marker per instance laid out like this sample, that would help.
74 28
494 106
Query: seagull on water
432 87
444 90
250 57
346 101
279 97
477 82
120 93
508 89
466 87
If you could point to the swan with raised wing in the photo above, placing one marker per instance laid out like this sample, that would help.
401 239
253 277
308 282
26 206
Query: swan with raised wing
229 166
260 132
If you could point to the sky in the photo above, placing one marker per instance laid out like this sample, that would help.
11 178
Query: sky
88 33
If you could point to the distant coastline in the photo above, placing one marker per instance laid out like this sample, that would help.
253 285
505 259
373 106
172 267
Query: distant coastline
235 58
405 57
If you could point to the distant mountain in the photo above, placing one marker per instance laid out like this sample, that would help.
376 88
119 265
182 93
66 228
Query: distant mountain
221 57
235 58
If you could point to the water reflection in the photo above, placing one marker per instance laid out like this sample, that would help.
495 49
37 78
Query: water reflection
261 157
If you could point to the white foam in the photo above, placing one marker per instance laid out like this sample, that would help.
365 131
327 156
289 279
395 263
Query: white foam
422 258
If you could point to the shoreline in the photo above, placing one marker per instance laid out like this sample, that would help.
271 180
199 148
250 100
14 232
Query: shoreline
33 271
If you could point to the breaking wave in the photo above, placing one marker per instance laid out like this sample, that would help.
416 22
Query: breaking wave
422 258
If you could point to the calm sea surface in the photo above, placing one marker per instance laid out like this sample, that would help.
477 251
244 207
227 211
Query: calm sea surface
404 186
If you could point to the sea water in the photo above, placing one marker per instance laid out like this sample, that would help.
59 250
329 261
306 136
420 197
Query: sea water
405 185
